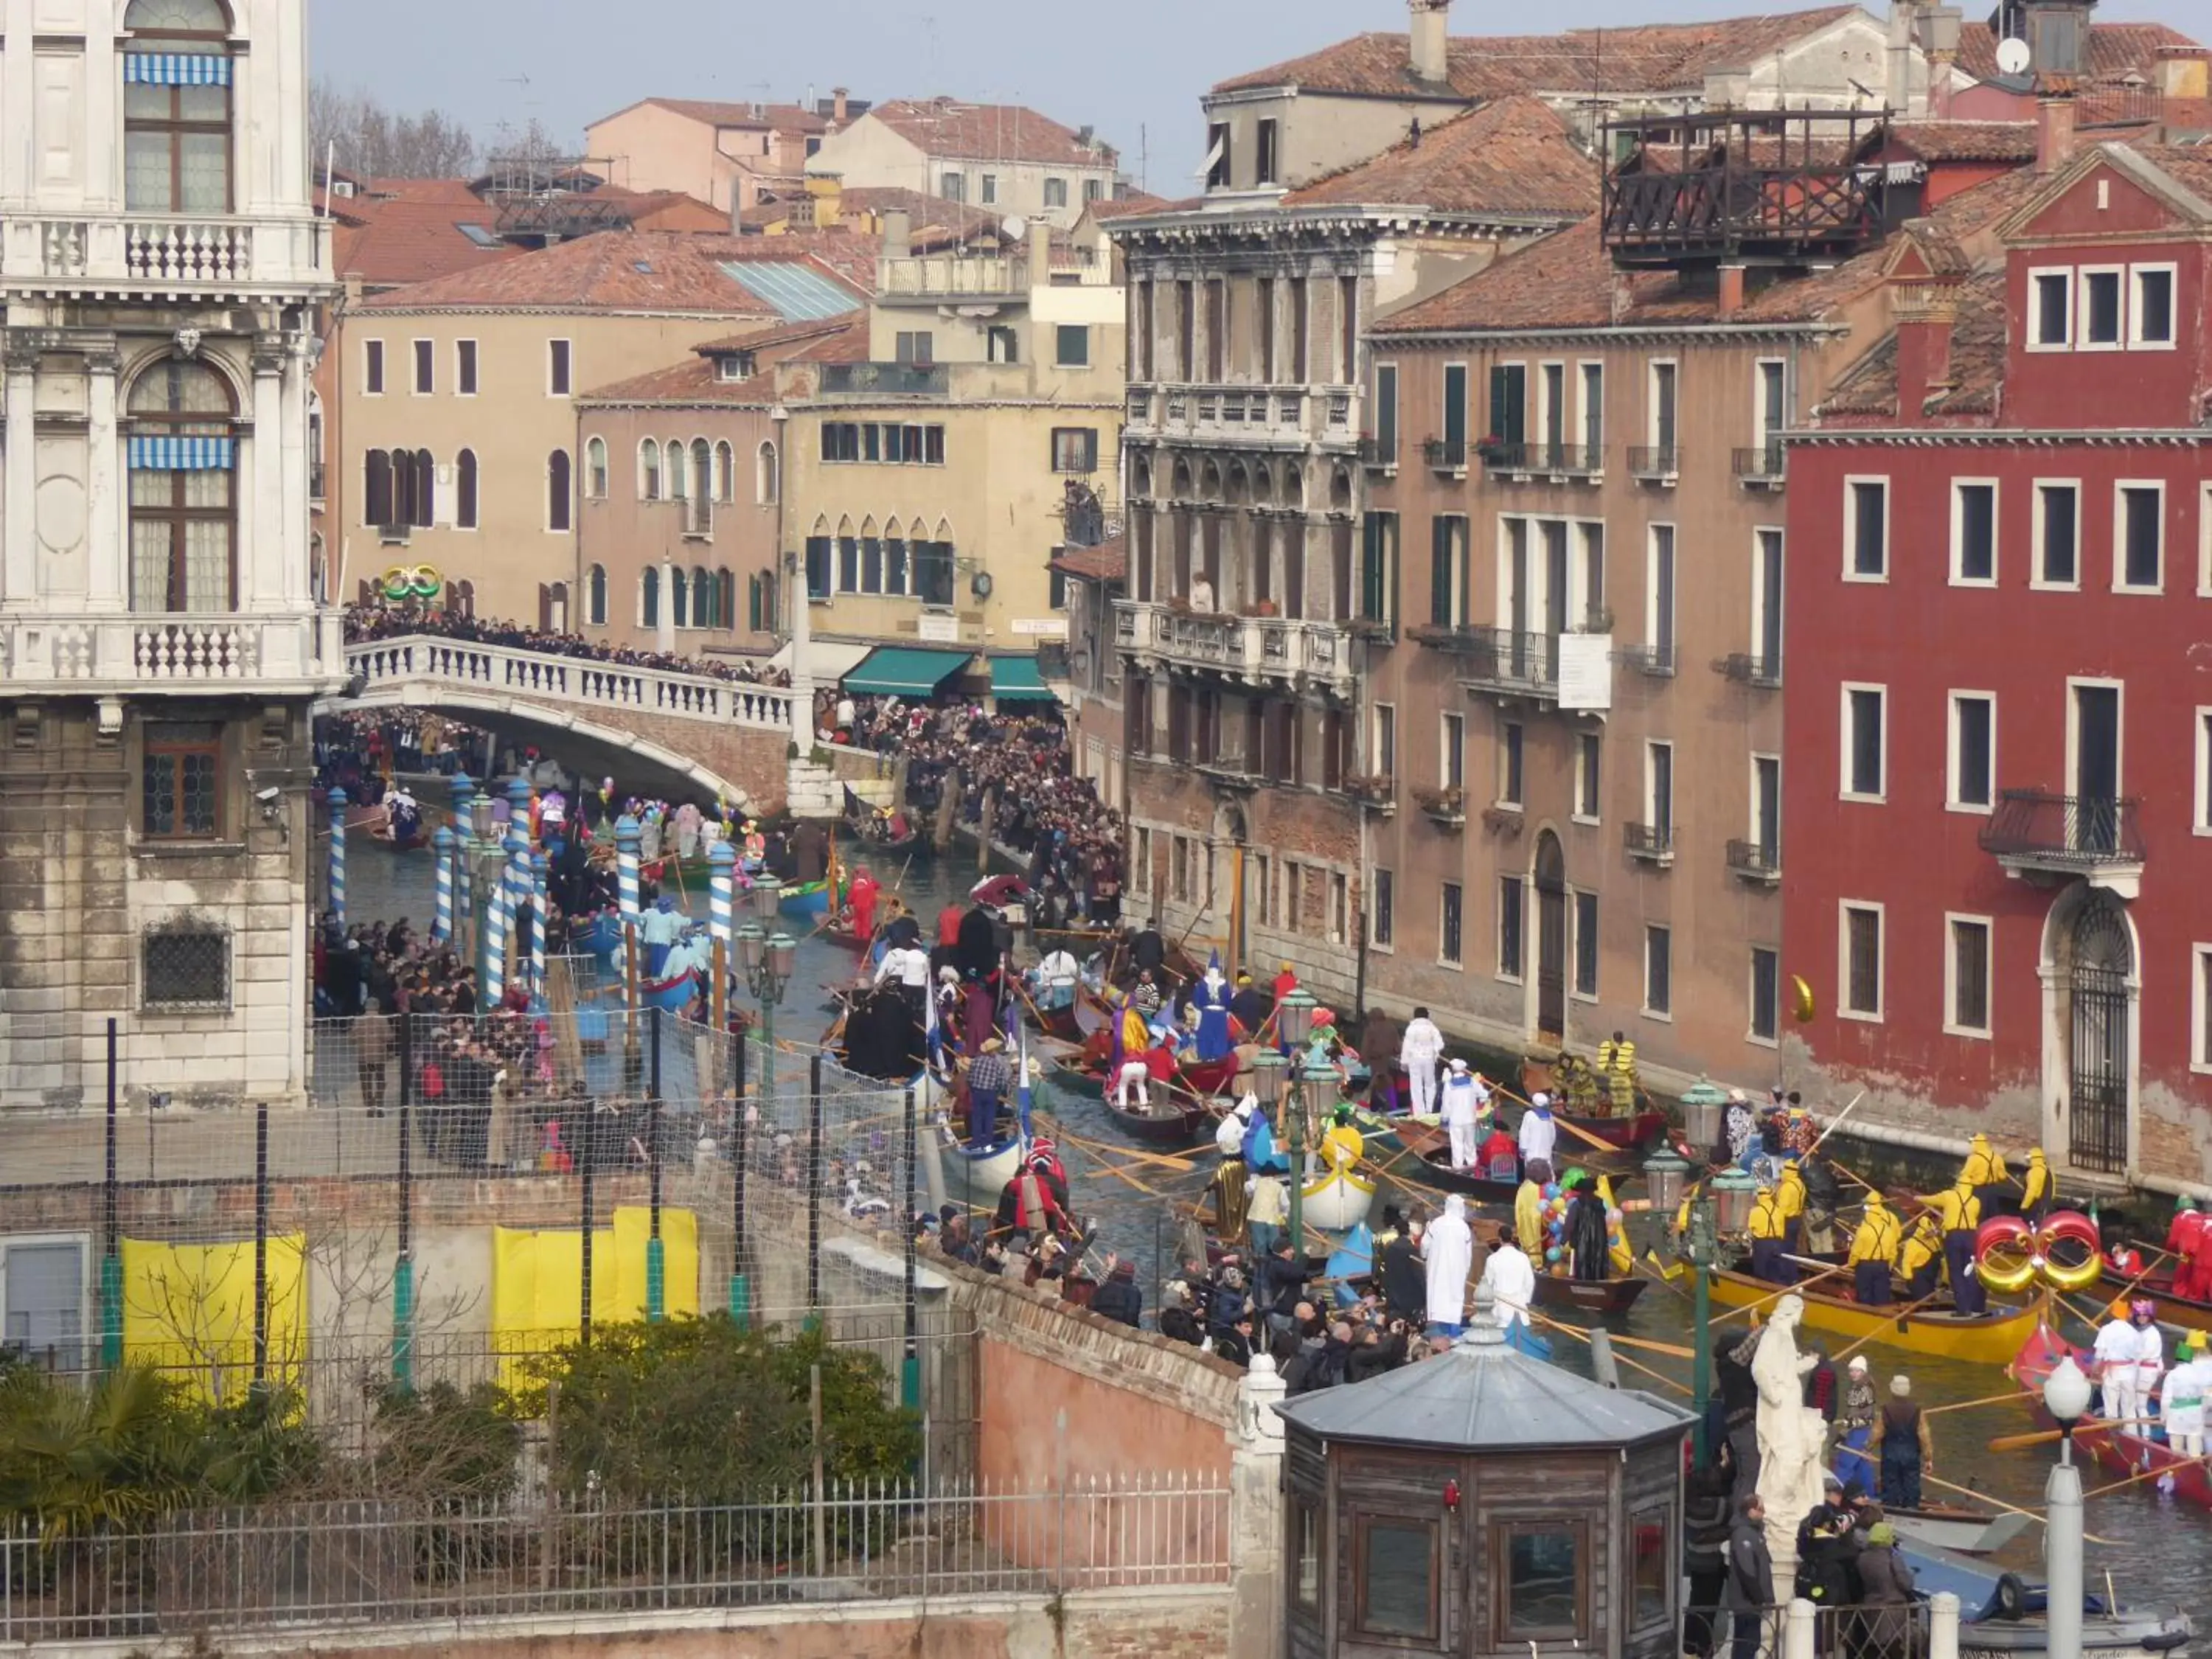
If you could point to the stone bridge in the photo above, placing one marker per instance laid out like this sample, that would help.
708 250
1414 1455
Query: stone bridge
723 737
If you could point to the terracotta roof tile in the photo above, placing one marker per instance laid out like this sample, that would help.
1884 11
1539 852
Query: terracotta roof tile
780 118
933 221
1869 390
408 230
955 130
1135 201
620 271
2115 49
2012 142
2189 166
1513 156
1109 561
1658 56
697 381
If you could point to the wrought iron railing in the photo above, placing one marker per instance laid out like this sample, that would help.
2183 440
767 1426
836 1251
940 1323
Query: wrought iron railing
1506 657
1655 842
1763 465
1655 461
1563 459
1755 860
1445 454
1751 668
2034 826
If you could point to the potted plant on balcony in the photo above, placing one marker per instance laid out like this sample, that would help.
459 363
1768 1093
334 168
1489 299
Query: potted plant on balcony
1372 790
1446 806
1491 447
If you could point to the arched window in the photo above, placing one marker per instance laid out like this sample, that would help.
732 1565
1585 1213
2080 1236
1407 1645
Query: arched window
422 497
595 469
464 600
679 594
557 491
184 521
648 597
726 598
767 475
176 108
648 471
679 479
595 596
465 489
703 598
726 464
376 494
703 469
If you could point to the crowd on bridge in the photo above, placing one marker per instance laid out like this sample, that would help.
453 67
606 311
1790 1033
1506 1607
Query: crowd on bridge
367 623
1019 767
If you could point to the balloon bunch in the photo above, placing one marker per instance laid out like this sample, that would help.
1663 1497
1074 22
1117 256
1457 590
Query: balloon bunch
2009 1254
1556 1196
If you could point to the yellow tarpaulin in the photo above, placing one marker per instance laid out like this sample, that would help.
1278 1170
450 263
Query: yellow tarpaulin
537 1278
188 1310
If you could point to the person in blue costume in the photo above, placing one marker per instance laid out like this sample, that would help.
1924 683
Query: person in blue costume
1211 998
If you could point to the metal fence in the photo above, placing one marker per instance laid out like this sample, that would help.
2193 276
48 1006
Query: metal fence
1900 1631
396 1564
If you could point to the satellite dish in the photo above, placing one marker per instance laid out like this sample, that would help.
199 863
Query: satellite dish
2013 56
1016 227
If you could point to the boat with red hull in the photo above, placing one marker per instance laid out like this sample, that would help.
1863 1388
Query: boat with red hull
2124 1451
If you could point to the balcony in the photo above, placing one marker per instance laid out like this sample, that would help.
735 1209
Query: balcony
1376 794
1756 862
1446 455
1570 463
1259 417
1659 463
1445 808
2047 838
886 380
951 275
1499 661
1379 455
1230 772
1281 650
1750 668
196 655
169 254
1649 843
1763 468
1654 662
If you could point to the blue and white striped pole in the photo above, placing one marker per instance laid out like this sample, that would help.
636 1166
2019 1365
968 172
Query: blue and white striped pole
722 892
338 804
495 913
629 838
540 873
465 792
441 921
518 808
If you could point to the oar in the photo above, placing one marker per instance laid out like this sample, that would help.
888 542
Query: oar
1835 1123
1777 1296
2142 1474
1900 1317
2010 1508
1582 1335
2020 1394
1597 1143
2045 1437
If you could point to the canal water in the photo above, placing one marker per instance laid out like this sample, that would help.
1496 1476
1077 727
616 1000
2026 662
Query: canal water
2157 1548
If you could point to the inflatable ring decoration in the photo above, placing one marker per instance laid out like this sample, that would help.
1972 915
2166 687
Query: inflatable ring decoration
411 581
2009 1256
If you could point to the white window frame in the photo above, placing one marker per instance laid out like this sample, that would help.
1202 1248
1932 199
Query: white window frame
1389 946
416 354
1581 602
1651 748
1762 433
1651 403
2035 576
383 376
1759 597
570 393
1852 481
1503 748
1575 895
2132 295
1951 802
1751 796
1458 964
1751 997
1651 585
1379 714
1989 927
2081 275
1844 790
2200 972
84 1242
1586 787
2120 688
1582 368
2035 274
1448 751
1665 1016
2204 541
1880 911
1471 424
2120 488
1543 424
476 346
1498 900
1959 486
2200 818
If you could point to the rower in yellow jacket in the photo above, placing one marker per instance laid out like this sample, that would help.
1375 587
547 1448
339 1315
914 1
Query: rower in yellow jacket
1959 1213
1920 1257
1874 1253
1789 1200
1770 1258
2036 1191
1984 1171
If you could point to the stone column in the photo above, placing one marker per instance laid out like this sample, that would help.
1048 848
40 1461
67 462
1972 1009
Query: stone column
261 558
19 555
108 526
1255 1516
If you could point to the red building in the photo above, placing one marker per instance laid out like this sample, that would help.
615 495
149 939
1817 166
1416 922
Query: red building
1998 786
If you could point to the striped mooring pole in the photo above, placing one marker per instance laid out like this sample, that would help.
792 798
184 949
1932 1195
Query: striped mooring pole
338 804
441 919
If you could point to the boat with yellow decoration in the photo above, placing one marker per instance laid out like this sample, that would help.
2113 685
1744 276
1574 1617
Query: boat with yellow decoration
1987 1338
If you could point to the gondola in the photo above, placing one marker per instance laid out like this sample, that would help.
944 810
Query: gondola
1336 1202
1588 1295
1422 1152
1989 1339
1180 1115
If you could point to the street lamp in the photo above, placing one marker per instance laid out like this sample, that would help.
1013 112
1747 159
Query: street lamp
1294 1019
2066 1397
1268 1069
765 897
1702 1247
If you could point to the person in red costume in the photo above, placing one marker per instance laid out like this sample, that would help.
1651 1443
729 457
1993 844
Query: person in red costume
2193 1278
862 895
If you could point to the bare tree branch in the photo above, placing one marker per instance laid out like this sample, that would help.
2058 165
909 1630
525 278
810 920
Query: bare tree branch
374 143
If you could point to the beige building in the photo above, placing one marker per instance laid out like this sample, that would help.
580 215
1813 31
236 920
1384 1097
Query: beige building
459 396
732 156
936 463
1289 124
1001 158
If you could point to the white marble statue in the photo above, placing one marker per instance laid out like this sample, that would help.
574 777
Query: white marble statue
1791 1434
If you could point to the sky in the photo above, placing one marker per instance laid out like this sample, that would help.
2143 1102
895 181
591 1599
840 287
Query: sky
1134 69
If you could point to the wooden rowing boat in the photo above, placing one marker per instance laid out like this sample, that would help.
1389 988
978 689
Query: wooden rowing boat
2172 1309
1961 1531
2124 1451
1336 1202
1172 1121
1421 1153
1588 1295
1991 1339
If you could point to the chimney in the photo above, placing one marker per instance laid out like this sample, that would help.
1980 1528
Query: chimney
1924 306
837 96
1038 241
2054 136
1431 19
2182 72
1731 290
1903 33
898 235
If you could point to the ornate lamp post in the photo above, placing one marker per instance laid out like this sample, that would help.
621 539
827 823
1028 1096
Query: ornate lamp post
1702 1247
2066 1397
768 962
1294 1020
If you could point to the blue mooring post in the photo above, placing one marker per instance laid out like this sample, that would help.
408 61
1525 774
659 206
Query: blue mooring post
338 804
444 843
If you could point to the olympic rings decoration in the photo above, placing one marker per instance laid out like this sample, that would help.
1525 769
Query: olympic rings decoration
403 582
2009 1256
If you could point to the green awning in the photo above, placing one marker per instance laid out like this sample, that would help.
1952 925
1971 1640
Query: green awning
1016 680
892 671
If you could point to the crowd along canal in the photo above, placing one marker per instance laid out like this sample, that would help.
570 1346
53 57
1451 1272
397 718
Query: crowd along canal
2156 1549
